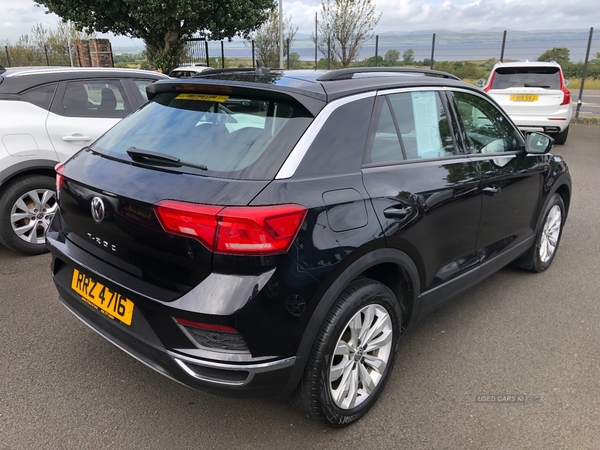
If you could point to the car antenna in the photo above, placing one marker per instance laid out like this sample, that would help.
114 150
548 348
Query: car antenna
260 69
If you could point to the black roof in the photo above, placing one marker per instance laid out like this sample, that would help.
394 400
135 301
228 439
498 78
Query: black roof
18 79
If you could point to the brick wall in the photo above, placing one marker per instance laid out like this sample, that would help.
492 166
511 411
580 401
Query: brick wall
94 53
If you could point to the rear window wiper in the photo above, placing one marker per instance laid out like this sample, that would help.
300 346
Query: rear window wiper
138 153
535 85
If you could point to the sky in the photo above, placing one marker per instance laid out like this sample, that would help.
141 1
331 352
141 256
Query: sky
17 17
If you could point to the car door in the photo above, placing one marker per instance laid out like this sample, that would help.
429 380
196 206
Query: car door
424 191
82 111
510 180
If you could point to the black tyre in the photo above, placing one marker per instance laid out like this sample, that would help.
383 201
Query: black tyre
352 357
561 138
27 206
541 255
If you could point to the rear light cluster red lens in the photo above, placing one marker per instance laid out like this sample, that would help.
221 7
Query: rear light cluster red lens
206 326
490 81
567 96
60 179
243 230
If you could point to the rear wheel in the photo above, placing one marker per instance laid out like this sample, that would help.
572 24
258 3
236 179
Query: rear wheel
27 207
561 138
352 357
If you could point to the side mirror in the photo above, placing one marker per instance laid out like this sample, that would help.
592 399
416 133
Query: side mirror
480 82
538 143
566 82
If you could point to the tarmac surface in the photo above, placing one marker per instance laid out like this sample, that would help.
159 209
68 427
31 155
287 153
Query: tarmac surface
533 335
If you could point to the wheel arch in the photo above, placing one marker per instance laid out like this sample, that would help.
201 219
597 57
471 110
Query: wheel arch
33 167
380 265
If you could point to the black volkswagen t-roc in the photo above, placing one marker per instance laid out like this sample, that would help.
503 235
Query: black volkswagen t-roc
255 233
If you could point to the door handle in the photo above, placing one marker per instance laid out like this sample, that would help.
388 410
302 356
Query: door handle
76 138
398 212
492 190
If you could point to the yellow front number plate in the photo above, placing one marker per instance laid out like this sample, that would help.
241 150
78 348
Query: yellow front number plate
111 303
524 98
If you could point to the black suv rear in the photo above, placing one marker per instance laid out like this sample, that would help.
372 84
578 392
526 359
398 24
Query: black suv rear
274 233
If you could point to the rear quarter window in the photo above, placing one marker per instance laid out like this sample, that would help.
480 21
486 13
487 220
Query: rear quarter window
40 96
239 138
534 77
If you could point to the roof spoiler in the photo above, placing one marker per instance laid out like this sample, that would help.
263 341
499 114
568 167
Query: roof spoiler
347 74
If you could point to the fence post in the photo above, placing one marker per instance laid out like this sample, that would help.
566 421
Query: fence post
7 55
222 55
46 52
503 46
376 49
584 73
316 42
432 52
328 52
253 60
206 51
288 52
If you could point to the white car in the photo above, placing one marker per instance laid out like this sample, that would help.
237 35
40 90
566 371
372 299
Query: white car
46 115
187 71
534 95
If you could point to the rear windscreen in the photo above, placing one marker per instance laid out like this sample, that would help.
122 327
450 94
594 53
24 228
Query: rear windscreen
230 137
540 77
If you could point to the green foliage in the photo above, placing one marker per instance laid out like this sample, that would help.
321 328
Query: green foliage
266 39
490 63
370 62
346 25
295 62
164 24
334 64
462 69
408 57
31 50
391 57
561 55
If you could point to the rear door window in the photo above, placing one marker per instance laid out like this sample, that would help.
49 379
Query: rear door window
249 141
95 98
529 77
410 126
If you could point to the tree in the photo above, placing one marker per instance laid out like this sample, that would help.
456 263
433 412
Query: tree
347 24
164 25
408 57
561 55
391 57
266 39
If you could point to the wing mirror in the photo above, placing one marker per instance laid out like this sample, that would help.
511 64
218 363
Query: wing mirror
480 82
538 143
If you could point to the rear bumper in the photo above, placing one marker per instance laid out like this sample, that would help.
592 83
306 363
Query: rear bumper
550 123
227 376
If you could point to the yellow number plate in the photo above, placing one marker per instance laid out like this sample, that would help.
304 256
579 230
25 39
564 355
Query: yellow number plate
111 303
524 98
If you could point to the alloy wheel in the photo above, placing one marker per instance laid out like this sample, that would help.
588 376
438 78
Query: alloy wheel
550 233
32 213
361 355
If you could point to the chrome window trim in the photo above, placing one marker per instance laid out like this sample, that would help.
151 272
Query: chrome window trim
291 164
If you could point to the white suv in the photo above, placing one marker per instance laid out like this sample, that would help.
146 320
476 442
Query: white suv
46 115
534 95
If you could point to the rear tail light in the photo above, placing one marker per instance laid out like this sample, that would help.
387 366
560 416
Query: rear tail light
60 179
206 326
245 230
567 96
488 86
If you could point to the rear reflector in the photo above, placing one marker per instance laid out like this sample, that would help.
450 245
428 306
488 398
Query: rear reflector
60 179
206 326
244 230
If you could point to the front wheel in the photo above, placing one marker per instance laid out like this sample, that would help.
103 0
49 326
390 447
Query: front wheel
541 255
27 207
353 355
